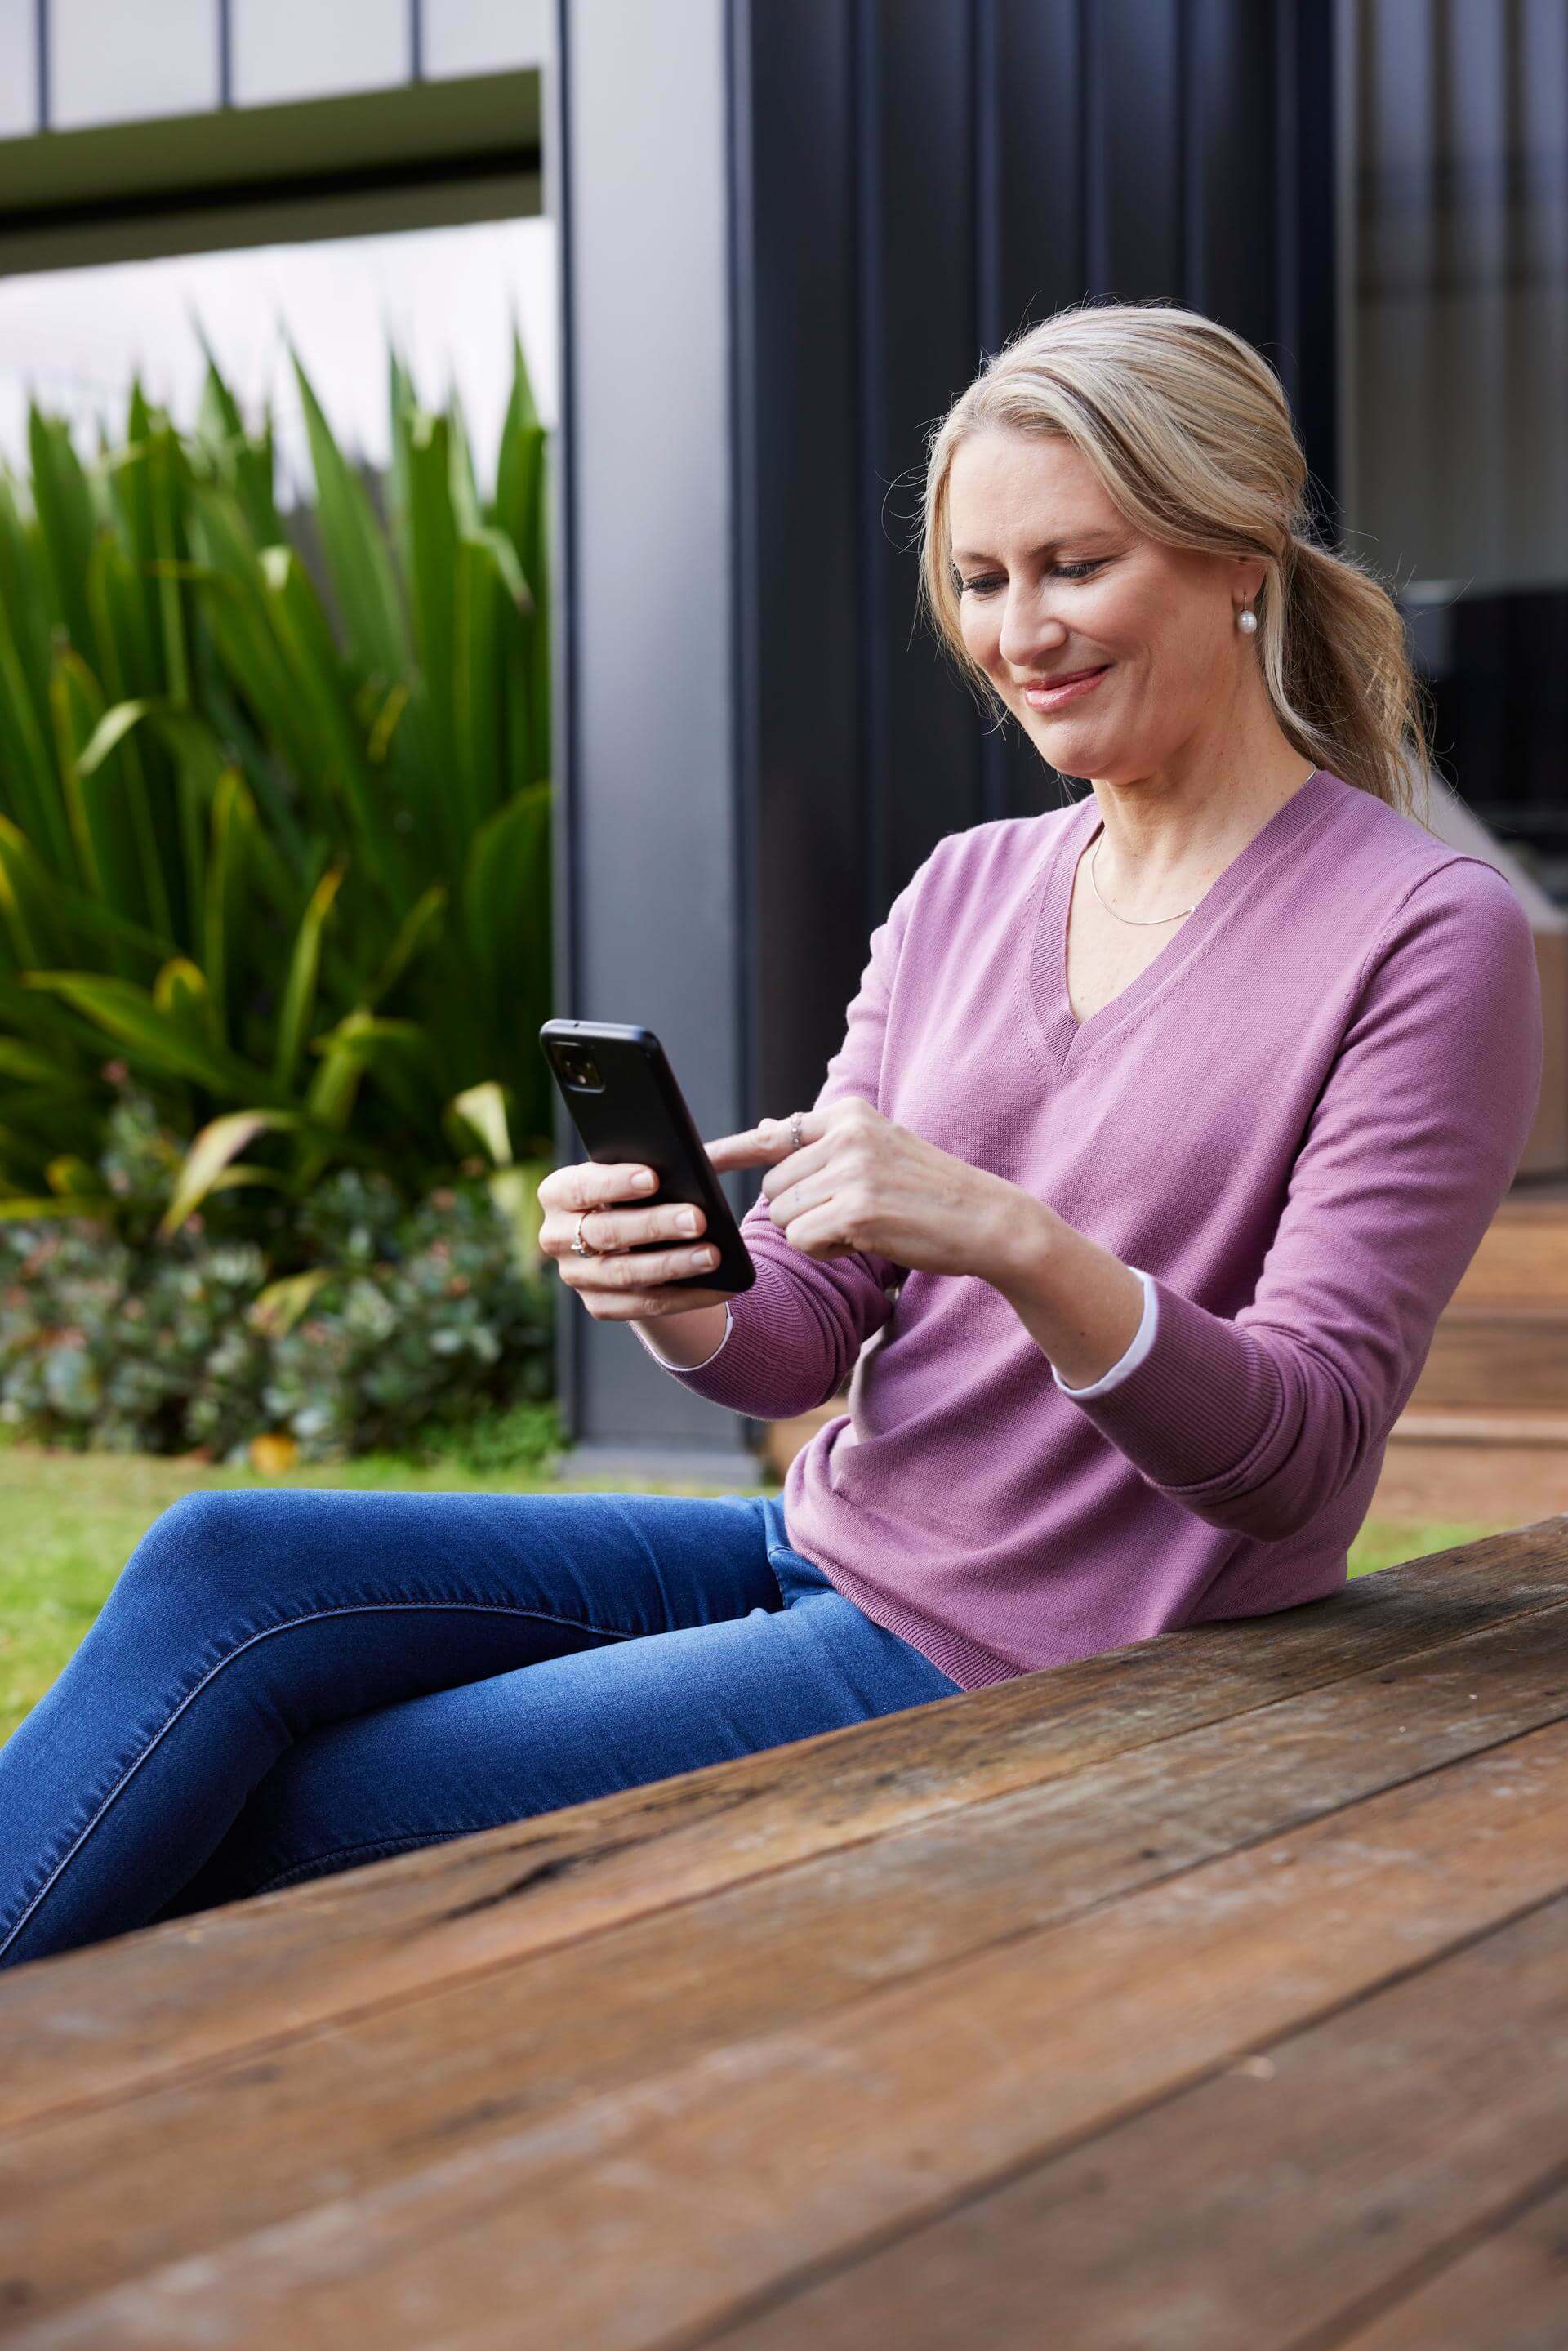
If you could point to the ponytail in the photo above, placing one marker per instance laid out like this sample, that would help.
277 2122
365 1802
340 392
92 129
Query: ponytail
1336 662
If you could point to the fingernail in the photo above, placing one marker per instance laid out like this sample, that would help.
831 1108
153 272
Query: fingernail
643 1180
686 1222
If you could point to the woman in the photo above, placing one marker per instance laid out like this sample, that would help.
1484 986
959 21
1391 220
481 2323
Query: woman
1163 1129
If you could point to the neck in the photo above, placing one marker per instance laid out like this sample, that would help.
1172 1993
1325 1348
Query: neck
1169 832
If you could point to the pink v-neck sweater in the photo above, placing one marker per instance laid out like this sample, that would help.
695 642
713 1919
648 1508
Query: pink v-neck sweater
1299 1119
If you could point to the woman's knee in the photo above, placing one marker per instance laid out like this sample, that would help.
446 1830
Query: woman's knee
209 1544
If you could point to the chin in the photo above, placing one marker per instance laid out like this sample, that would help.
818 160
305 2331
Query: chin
1076 751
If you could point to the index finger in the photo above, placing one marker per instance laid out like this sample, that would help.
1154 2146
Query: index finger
745 1150
590 1183
771 1139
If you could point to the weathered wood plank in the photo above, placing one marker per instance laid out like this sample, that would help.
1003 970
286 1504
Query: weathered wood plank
97 2023
324 2117
1510 2293
1266 2207
647 2216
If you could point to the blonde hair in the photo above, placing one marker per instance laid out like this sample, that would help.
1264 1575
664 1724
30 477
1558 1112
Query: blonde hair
1187 427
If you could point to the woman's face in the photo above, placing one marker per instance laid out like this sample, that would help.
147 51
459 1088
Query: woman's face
1056 582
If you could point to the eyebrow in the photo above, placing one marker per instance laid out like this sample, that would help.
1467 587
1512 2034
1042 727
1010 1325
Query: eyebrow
1047 547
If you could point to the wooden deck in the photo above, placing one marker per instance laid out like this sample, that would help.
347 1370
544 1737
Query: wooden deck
1211 1994
1485 1436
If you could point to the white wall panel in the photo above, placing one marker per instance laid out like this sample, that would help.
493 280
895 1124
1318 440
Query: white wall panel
113 63
478 37
287 50
18 68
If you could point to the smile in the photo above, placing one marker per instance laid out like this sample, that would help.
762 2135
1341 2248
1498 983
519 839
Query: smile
1052 697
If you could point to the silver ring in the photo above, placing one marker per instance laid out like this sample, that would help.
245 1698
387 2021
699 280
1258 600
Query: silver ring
795 1130
579 1247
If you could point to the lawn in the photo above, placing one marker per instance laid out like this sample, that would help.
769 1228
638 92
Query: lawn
74 1518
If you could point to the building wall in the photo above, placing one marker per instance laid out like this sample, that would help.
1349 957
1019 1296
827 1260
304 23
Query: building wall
908 183
72 65
1455 136
774 294
791 230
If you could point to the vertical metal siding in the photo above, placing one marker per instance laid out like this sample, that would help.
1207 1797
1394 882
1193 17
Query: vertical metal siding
909 183
1015 156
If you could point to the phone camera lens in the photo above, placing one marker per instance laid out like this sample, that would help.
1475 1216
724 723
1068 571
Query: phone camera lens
580 1069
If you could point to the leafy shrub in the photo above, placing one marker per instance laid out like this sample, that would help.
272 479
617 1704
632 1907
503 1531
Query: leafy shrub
274 834
400 1327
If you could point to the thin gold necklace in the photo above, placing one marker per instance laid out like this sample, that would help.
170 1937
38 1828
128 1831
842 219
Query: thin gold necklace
1138 922
1153 922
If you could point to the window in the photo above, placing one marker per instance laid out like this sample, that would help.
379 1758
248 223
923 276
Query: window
1456 476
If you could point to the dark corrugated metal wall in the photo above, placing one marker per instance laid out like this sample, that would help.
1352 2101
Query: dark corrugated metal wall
928 177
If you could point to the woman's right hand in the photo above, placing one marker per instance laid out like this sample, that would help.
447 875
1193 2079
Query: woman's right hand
643 1280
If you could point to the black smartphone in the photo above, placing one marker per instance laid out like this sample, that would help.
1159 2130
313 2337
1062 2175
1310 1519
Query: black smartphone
623 1095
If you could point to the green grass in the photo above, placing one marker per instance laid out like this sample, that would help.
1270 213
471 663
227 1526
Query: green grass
72 1520
1384 1542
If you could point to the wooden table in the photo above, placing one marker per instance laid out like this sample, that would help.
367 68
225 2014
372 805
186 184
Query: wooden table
1212 1992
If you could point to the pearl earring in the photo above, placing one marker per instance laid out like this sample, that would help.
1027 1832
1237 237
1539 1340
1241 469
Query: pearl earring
1247 621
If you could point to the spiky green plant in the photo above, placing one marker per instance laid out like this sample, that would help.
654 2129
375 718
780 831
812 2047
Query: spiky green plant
274 833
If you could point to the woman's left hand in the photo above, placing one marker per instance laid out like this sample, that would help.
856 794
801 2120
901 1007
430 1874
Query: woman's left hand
859 1181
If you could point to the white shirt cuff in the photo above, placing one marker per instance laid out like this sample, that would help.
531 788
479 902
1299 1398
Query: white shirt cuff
664 1366
1142 1341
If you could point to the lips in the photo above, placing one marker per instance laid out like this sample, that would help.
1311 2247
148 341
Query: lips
1048 694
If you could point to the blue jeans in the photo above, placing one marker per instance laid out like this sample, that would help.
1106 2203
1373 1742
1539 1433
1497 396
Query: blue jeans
283 1683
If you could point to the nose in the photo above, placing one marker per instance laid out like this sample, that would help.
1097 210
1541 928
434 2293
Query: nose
1029 628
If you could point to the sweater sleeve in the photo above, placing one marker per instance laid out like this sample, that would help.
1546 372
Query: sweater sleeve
793 1338
1255 1423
